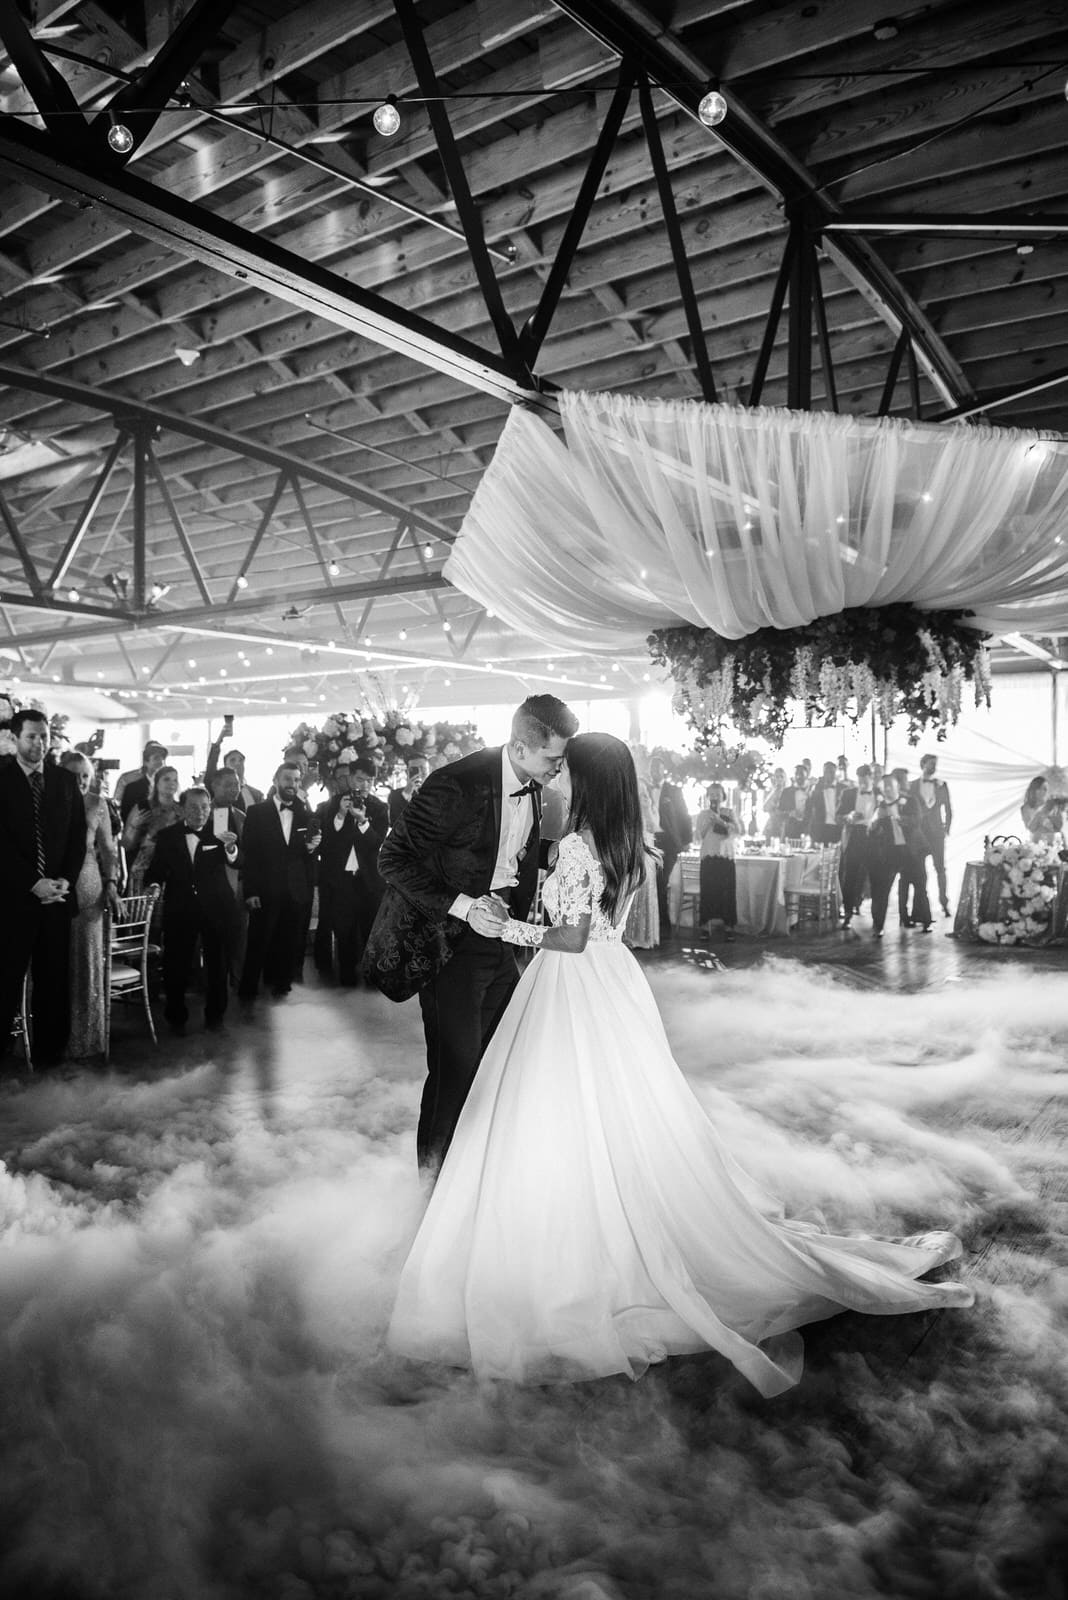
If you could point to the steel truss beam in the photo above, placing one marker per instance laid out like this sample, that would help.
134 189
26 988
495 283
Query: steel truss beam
191 230
155 621
627 29
126 411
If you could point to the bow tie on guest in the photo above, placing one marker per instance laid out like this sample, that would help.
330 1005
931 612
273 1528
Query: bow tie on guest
189 828
285 805
528 788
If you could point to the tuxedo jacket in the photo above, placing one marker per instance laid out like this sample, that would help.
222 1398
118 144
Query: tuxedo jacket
63 826
674 823
197 889
934 820
815 823
881 833
272 868
336 843
444 844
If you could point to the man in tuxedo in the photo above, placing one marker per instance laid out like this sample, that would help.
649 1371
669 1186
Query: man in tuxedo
793 803
191 860
464 854
935 819
133 788
228 816
821 811
355 822
893 854
857 803
279 841
43 828
674 830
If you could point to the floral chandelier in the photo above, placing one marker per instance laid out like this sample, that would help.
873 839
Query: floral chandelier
895 660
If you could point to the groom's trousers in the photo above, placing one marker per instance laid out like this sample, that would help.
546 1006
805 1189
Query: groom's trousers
461 1008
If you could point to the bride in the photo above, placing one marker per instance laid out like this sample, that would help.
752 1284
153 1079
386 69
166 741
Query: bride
586 1220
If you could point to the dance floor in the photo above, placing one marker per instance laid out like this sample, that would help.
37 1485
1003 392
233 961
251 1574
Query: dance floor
200 1246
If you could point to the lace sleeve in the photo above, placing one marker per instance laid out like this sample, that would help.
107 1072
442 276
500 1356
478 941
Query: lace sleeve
522 932
575 886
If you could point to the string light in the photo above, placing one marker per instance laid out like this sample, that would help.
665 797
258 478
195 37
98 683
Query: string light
334 570
120 139
712 108
386 117
242 581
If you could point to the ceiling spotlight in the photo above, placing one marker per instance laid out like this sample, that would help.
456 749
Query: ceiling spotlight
885 28
186 354
242 581
386 117
712 108
1025 249
120 139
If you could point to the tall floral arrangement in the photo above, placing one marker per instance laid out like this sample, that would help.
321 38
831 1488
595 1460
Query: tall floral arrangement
390 739
894 659
9 704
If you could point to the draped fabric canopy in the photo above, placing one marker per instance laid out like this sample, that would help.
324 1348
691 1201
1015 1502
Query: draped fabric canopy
652 512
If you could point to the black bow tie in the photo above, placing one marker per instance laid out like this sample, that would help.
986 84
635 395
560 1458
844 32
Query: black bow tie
528 788
190 829
285 805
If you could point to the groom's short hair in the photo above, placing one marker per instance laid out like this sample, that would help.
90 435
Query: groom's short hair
541 718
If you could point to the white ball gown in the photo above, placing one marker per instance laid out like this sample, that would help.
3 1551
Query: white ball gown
587 1220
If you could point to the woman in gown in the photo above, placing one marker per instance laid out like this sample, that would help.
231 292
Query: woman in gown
95 890
586 1220
145 822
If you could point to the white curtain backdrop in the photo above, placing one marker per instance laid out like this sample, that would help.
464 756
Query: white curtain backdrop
650 512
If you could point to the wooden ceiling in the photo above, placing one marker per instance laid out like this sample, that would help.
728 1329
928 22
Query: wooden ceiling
253 369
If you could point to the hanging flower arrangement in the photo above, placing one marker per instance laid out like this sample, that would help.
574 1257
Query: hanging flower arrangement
896 659
390 740
719 762
1024 887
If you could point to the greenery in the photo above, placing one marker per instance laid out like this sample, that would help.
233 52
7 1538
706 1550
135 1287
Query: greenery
895 658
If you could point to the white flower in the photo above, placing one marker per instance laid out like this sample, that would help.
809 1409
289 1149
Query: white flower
310 748
7 710
348 754
404 736
331 728
8 745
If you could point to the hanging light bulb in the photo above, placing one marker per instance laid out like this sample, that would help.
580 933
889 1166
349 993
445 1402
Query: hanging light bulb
334 570
120 139
712 108
386 117
242 581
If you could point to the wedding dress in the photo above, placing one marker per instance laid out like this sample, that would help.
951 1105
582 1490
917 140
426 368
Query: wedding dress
587 1221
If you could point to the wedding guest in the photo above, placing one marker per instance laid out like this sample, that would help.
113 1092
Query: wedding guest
793 803
228 816
893 855
42 823
145 822
190 860
1042 813
821 822
280 838
400 799
856 811
773 811
936 816
350 885
95 892
674 829
134 788
234 760
718 828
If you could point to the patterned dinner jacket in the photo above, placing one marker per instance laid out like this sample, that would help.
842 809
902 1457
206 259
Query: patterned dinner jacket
443 845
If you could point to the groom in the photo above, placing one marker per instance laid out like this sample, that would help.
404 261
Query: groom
465 848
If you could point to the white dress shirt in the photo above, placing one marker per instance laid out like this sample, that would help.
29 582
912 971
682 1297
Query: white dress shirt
285 817
517 817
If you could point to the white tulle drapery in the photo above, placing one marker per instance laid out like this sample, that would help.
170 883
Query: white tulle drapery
650 512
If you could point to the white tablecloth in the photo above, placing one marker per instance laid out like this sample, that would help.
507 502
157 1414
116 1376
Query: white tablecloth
762 883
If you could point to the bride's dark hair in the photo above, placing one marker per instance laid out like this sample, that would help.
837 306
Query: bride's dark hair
604 800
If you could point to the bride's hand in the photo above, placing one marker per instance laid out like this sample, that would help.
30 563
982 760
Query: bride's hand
488 917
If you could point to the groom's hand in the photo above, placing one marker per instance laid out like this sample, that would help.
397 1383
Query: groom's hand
487 916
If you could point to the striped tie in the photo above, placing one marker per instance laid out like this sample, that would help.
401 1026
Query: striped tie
37 793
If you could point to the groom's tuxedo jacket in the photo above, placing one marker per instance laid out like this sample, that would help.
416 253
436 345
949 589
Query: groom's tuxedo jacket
443 845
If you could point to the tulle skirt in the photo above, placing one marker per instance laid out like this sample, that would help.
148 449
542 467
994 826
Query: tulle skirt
587 1220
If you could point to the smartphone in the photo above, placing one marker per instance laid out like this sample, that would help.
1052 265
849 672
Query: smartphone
228 722
98 737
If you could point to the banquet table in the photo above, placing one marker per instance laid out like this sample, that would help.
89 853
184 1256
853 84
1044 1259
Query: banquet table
974 905
762 881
